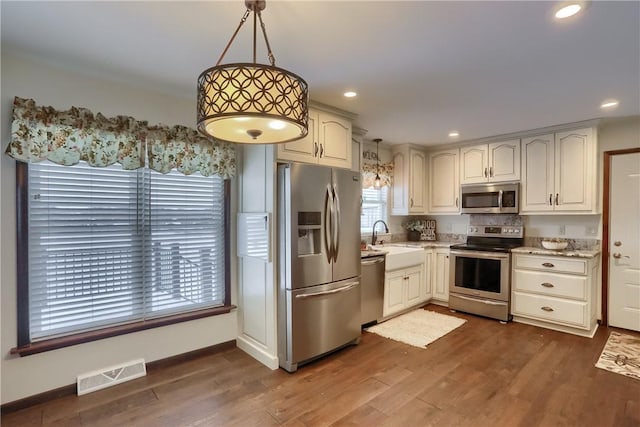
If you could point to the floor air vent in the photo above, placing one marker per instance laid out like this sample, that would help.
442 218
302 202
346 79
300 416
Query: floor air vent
103 378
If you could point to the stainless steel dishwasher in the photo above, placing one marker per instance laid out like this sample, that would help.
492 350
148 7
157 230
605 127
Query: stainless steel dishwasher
372 288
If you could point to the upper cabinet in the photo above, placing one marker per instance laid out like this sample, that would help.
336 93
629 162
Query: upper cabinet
444 184
408 189
498 161
328 142
559 172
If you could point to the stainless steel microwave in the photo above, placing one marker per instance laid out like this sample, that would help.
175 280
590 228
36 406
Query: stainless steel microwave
490 198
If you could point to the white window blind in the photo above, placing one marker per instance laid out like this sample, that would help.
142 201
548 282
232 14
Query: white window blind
374 207
109 246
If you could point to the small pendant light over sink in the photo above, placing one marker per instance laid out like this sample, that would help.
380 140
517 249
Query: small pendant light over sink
376 182
251 103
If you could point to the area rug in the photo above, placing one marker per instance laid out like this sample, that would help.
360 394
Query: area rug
417 328
621 354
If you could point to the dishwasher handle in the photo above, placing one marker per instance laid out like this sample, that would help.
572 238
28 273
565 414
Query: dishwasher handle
378 260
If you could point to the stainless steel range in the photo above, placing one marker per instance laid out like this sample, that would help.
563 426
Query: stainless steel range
480 270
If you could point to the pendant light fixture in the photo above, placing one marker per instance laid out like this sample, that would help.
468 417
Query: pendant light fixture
376 182
251 103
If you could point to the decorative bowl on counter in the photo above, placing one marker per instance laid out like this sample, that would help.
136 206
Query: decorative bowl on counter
555 244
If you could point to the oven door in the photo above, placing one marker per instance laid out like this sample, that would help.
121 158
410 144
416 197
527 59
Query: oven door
480 274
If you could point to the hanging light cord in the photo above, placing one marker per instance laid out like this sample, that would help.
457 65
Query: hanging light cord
272 58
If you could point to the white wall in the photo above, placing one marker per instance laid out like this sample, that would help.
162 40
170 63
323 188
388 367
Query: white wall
26 376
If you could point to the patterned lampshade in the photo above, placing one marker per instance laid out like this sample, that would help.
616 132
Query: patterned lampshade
252 103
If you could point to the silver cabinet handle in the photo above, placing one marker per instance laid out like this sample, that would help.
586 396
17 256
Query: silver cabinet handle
547 264
332 291
547 285
545 308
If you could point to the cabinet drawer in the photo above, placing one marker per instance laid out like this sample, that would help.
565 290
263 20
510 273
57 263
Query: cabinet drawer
557 264
572 313
556 285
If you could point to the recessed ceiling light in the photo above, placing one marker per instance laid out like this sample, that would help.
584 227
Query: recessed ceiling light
610 103
454 134
350 94
568 10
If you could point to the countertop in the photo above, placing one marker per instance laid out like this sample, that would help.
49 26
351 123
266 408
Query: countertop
580 253
421 244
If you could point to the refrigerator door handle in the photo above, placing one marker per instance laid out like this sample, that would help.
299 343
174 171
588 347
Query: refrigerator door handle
333 291
336 225
328 226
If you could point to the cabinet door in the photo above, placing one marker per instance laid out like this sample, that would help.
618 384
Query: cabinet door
537 186
574 172
400 186
474 164
428 273
335 141
394 288
304 150
504 161
417 182
444 181
413 281
441 275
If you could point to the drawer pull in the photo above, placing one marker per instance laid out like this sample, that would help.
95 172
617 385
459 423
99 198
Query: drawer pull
547 285
546 308
547 264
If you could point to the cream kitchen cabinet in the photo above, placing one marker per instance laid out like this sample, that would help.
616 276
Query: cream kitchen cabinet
440 275
427 279
402 290
555 292
409 175
559 173
444 182
498 161
328 143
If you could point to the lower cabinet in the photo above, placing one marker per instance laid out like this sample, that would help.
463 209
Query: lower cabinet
402 289
440 275
555 292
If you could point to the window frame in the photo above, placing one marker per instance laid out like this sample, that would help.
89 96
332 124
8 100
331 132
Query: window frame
26 347
384 204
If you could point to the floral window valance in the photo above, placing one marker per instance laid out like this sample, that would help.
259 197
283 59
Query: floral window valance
385 170
66 137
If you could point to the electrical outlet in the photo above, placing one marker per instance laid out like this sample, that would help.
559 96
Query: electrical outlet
561 230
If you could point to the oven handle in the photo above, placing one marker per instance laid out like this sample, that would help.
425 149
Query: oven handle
481 300
478 254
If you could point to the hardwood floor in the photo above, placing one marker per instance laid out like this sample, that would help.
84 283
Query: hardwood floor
481 374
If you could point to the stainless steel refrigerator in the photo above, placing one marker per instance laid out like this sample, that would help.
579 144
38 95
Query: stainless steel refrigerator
318 262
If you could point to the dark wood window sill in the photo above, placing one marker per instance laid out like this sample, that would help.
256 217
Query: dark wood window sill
67 341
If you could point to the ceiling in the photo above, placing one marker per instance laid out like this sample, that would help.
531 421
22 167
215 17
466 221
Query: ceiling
421 68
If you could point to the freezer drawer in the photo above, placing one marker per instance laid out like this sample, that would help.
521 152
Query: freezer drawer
319 319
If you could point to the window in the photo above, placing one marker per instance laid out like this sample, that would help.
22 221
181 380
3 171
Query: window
107 247
374 207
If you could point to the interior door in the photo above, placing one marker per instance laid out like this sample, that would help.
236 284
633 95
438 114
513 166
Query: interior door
624 241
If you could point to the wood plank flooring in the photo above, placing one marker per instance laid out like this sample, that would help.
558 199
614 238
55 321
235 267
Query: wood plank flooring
481 374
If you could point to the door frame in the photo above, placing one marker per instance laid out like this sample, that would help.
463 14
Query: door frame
605 227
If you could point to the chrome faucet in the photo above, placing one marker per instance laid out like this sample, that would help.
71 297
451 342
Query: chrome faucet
373 232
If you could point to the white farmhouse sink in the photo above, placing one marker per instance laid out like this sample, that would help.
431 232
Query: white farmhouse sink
401 256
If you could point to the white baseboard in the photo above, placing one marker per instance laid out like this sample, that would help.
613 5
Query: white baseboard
258 352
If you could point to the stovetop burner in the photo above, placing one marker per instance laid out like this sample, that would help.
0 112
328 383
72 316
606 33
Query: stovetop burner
492 238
